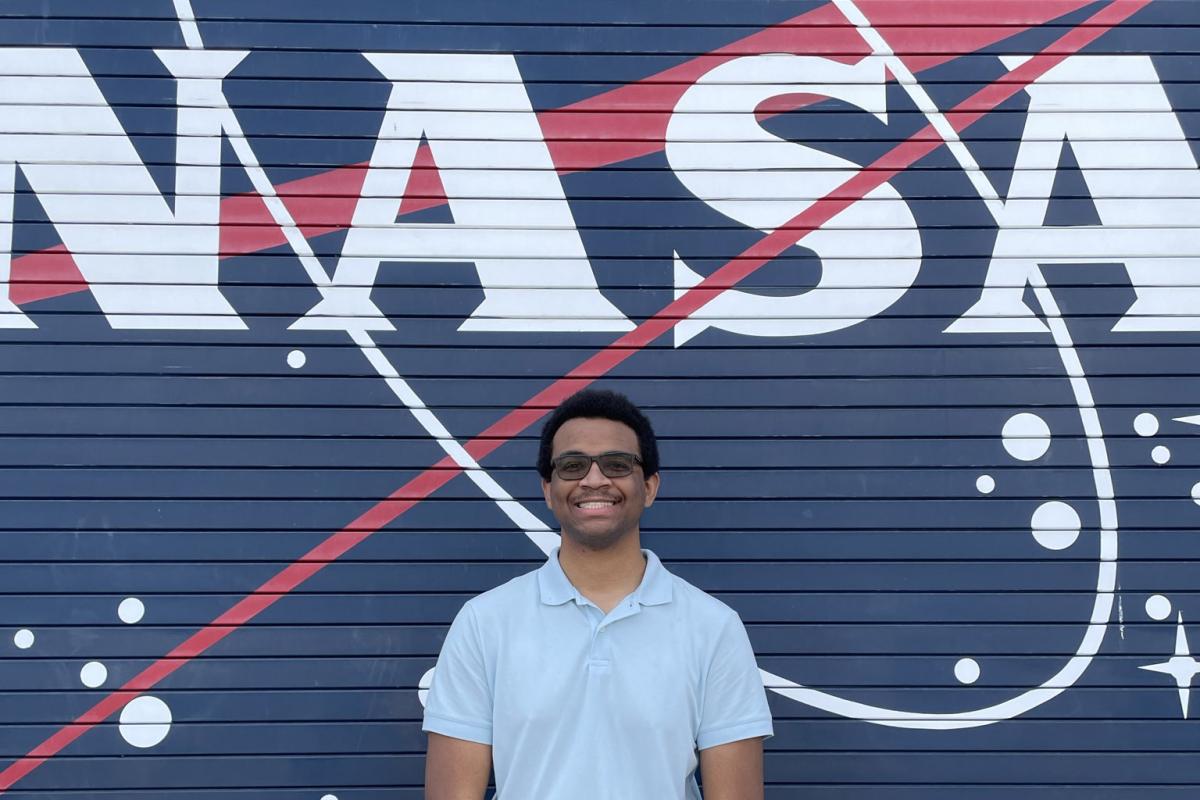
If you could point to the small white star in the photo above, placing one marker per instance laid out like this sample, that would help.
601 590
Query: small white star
1182 667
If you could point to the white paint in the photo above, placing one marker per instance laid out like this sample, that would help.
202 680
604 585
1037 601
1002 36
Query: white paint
93 674
145 721
23 639
1158 607
158 268
1026 436
1196 493
1071 102
985 484
1160 455
1182 667
1145 424
296 359
424 684
1055 525
1106 577
872 247
527 255
916 92
329 797
537 531
966 670
131 610
187 24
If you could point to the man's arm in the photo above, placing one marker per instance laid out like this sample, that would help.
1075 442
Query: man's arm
456 769
733 771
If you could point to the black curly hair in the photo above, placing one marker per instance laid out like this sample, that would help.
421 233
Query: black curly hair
599 404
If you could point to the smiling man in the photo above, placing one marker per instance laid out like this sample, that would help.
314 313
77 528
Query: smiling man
599 676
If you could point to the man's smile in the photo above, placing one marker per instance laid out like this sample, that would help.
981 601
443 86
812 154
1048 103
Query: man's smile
596 504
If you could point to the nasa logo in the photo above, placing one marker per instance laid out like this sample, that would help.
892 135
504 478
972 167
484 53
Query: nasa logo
852 312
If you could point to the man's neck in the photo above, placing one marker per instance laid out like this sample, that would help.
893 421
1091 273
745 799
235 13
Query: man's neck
604 576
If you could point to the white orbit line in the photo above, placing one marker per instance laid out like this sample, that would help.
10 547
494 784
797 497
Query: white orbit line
187 25
537 531
1107 572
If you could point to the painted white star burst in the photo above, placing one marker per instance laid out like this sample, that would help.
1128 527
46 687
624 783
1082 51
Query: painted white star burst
1182 667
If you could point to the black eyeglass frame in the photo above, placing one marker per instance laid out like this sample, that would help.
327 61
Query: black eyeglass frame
596 459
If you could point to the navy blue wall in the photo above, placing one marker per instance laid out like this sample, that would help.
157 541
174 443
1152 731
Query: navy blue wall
957 521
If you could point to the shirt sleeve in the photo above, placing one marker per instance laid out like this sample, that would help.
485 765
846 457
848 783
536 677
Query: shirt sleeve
459 703
735 703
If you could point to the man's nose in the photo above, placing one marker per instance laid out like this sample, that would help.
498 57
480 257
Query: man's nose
594 476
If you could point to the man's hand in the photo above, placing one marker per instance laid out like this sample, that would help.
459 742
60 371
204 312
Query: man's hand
456 769
733 771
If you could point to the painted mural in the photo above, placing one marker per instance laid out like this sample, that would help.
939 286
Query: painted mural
911 292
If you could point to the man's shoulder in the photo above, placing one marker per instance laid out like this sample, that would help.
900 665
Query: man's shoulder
698 604
504 599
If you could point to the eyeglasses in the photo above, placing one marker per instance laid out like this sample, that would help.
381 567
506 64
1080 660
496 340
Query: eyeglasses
574 466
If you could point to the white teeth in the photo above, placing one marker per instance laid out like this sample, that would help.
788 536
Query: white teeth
597 504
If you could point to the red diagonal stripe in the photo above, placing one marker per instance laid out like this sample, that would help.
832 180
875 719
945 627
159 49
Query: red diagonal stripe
514 422
595 132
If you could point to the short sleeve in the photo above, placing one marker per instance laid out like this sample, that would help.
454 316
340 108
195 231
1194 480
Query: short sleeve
734 700
460 697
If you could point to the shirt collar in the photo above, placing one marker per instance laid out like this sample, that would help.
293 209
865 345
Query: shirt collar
555 588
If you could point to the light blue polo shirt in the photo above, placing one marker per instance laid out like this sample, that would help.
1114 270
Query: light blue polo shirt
581 706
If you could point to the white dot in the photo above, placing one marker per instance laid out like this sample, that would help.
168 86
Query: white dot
1196 493
966 670
23 638
131 610
1158 607
985 484
423 686
145 721
1160 454
1026 436
296 359
329 797
1055 525
1146 424
93 674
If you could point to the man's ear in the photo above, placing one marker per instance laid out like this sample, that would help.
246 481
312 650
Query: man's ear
546 494
651 489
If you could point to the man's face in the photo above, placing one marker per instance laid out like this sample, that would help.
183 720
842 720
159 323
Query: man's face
597 511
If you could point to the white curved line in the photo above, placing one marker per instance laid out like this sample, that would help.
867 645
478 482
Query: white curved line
537 531
1097 453
1106 578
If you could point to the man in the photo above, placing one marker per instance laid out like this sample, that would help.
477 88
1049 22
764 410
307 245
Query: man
599 676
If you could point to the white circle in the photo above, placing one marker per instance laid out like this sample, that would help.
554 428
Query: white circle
985 484
423 686
23 638
1158 607
1055 525
329 797
1026 436
1145 424
966 670
131 610
93 674
1196 493
145 721
296 359
1160 454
